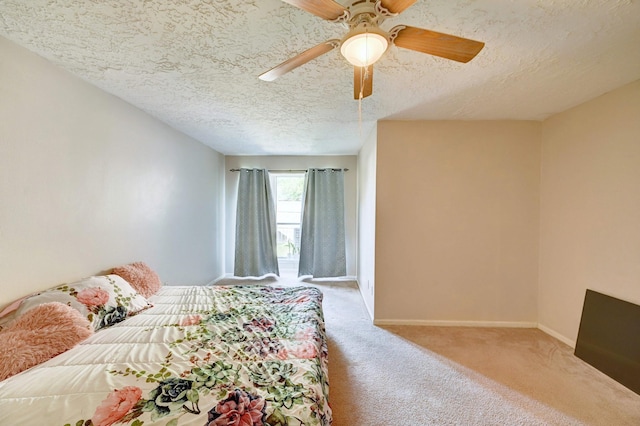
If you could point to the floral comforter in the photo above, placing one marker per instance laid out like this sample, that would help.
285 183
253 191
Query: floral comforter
207 356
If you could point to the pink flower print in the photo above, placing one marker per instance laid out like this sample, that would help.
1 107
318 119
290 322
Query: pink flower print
306 334
191 320
116 406
259 324
239 409
263 347
306 350
94 296
283 354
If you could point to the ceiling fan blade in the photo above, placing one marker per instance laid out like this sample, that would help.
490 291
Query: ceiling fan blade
438 44
325 9
362 82
396 6
298 60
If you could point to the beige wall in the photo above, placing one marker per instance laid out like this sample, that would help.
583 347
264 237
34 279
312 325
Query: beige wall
457 222
294 163
88 182
367 221
590 207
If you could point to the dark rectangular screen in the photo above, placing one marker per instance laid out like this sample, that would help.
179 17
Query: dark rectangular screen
609 338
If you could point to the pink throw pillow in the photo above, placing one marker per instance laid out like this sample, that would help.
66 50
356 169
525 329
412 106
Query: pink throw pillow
40 334
141 277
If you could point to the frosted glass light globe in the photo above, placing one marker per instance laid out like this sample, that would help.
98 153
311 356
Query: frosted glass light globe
364 49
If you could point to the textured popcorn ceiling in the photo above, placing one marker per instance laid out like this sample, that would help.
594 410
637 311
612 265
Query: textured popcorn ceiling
194 64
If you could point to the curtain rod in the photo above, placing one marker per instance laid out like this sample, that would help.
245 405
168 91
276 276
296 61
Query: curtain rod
296 171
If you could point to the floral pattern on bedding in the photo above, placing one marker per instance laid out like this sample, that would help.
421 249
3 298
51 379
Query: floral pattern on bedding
258 357
104 300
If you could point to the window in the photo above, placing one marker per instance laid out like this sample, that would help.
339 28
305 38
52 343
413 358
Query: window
288 190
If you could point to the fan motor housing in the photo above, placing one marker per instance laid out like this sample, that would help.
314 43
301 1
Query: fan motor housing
370 11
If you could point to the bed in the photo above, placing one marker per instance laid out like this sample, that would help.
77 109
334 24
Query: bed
198 355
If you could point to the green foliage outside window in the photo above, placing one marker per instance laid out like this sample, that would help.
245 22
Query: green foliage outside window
290 188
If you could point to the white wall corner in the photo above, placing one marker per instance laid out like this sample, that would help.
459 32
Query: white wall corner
557 335
215 280
367 308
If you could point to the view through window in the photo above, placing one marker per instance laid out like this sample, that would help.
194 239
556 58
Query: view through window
288 190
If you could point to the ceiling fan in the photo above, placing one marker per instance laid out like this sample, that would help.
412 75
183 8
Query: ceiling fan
366 42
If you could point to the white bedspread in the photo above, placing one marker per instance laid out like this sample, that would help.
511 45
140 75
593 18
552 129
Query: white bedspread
248 355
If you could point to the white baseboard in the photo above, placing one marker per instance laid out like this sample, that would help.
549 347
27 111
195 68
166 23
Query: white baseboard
336 279
230 275
366 307
506 324
557 335
445 323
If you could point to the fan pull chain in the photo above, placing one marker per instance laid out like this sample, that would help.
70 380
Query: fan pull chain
363 76
360 119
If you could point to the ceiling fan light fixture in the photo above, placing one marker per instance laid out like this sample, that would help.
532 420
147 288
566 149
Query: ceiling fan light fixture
363 48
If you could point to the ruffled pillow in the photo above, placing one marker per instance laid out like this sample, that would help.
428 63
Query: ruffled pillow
141 277
8 314
41 333
104 300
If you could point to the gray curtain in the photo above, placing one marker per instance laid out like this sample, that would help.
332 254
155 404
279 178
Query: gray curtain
256 253
322 243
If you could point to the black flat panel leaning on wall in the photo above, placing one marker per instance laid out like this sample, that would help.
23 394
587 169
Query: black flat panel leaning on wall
609 338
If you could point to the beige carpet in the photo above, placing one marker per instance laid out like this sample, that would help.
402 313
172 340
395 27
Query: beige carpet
408 375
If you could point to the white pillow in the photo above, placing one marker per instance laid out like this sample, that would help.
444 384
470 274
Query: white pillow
104 300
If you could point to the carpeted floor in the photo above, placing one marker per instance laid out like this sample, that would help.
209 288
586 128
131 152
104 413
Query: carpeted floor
416 376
